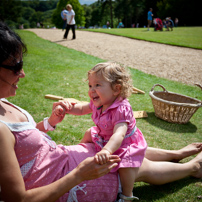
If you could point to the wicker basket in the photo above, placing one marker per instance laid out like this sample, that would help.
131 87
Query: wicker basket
172 107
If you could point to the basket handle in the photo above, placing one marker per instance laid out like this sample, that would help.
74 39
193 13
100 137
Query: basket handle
160 86
200 104
200 86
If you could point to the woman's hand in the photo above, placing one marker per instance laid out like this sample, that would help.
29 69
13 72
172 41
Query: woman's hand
89 169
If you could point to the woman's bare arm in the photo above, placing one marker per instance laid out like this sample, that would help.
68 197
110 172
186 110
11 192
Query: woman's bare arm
11 180
70 108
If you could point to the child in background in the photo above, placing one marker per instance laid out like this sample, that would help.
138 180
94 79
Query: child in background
115 132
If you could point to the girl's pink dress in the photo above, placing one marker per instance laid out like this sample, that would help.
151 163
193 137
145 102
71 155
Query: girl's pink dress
133 147
42 162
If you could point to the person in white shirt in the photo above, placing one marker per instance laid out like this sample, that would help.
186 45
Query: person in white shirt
70 22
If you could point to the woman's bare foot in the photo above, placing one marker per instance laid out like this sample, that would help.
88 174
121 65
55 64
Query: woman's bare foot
197 166
187 151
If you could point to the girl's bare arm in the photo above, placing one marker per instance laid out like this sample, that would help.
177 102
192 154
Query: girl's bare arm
80 109
116 139
113 144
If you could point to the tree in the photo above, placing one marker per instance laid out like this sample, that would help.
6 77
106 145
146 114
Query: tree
78 9
88 15
129 11
27 12
187 11
10 9
104 4
35 18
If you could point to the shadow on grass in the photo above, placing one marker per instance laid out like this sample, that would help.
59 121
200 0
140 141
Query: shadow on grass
148 192
173 127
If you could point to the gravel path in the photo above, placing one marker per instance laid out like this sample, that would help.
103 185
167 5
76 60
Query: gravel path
175 63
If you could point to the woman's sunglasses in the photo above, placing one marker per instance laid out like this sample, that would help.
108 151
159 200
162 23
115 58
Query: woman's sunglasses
16 69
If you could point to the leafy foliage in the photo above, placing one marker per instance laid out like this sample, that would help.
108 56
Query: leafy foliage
187 11
88 15
130 12
28 13
9 10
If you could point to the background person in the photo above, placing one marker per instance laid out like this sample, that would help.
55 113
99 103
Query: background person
120 25
35 168
108 24
176 22
169 24
64 18
70 22
149 18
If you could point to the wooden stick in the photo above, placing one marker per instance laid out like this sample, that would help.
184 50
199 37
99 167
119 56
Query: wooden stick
138 90
140 114
135 92
53 97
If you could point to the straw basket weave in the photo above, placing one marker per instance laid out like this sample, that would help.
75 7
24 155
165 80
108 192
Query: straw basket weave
172 107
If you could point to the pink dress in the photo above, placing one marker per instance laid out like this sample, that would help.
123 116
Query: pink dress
42 162
133 147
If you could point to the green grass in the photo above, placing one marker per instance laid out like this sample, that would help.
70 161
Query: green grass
181 36
53 69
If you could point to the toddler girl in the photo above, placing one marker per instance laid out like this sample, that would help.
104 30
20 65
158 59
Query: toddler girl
115 131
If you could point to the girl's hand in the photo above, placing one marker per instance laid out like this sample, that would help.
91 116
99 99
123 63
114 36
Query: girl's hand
102 157
58 111
67 106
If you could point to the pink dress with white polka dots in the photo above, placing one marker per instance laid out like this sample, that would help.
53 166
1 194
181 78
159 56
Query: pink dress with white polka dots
133 147
42 162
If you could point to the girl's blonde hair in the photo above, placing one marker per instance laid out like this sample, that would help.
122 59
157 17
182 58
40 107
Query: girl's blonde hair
115 74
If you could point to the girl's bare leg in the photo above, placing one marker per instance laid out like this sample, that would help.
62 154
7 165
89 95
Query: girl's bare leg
87 137
155 154
128 177
160 172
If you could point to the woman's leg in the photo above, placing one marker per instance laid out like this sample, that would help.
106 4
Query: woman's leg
73 32
66 32
155 154
160 172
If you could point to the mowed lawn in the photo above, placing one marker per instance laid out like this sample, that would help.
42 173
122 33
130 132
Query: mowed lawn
53 69
181 36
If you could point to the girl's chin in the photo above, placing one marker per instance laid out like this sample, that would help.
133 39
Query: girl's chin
97 104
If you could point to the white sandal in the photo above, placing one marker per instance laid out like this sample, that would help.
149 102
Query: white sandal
127 198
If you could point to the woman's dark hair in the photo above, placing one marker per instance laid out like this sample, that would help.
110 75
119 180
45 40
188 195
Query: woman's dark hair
10 43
